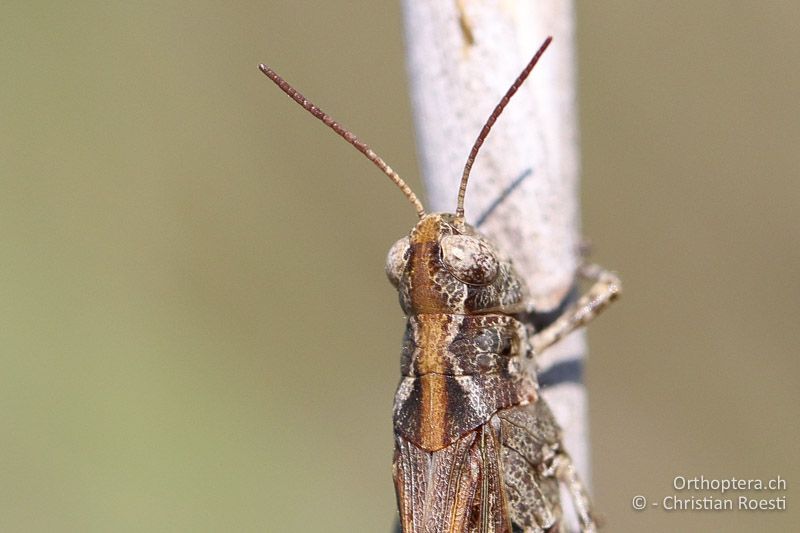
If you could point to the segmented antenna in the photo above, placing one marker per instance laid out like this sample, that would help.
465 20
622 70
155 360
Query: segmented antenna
462 189
347 135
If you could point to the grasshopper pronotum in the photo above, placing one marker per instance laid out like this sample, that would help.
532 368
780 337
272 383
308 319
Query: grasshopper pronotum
476 448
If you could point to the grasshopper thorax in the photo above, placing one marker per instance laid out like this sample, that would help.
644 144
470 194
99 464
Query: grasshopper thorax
446 266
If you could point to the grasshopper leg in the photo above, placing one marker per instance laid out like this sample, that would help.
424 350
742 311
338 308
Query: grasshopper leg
567 475
605 289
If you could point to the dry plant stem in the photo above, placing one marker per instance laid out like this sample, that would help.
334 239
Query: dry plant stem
462 56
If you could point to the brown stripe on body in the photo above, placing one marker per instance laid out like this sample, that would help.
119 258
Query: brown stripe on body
433 364
434 412
432 343
426 295
433 339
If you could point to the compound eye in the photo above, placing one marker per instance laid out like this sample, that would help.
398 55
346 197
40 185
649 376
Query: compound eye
397 259
469 259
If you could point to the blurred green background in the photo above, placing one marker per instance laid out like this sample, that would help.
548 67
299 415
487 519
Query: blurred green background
196 332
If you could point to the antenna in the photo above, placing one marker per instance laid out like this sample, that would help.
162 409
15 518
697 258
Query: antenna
347 135
462 189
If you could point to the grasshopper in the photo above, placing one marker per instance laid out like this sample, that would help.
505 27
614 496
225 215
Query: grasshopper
477 450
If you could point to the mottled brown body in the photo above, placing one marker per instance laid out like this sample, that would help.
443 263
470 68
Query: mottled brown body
477 450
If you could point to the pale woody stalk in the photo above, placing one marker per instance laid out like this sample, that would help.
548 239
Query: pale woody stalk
462 55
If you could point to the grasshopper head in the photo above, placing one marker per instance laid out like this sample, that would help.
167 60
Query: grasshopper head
445 266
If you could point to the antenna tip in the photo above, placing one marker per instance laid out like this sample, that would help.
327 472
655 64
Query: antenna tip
263 68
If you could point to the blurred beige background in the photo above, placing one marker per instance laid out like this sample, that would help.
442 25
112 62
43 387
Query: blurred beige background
196 332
